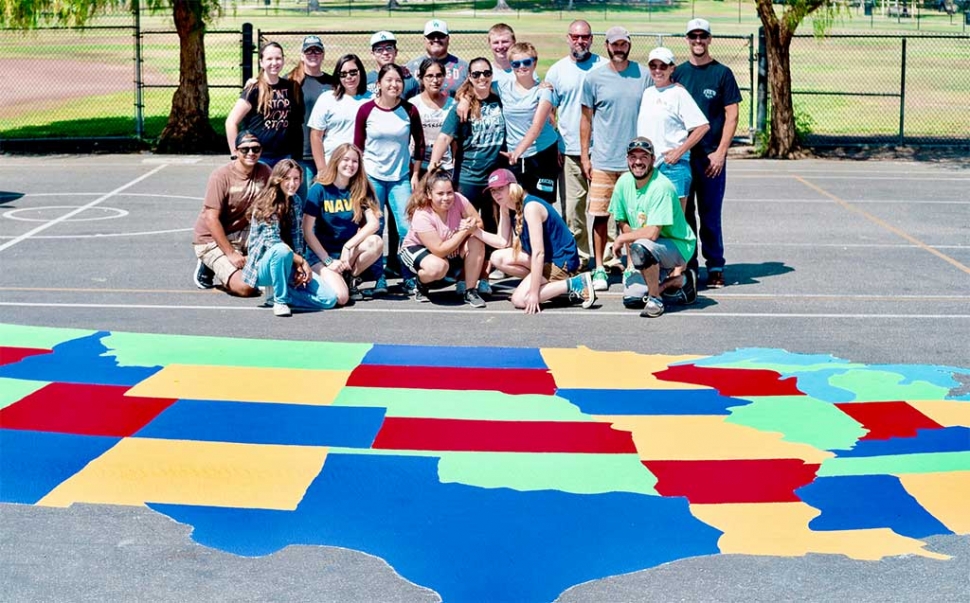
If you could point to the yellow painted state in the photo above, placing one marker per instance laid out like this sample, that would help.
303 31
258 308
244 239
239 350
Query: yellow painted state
945 412
583 368
945 496
781 529
142 470
243 384
711 438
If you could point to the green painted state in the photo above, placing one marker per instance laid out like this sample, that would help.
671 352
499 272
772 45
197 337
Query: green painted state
932 462
872 386
469 405
576 473
800 419
21 336
14 390
134 349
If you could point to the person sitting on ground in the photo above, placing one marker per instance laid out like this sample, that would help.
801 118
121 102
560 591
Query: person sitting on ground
542 251
222 227
654 231
276 247
340 222
439 244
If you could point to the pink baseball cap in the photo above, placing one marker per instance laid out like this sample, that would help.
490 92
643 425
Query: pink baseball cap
500 178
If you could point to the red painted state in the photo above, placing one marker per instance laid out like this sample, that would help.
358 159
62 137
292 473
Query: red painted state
399 433
509 381
83 410
887 420
734 481
9 355
733 382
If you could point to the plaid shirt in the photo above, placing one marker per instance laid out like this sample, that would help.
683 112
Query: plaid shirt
263 235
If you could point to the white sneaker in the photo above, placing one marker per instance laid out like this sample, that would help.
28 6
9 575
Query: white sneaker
600 280
497 275
281 310
268 298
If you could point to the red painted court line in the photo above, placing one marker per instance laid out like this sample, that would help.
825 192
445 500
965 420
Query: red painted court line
732 481
733 382
457 435
886 420
11 355
509 381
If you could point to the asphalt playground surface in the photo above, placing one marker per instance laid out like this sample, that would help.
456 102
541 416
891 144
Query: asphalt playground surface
867 261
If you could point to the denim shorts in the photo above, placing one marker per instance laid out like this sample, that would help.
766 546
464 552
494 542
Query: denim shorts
679 174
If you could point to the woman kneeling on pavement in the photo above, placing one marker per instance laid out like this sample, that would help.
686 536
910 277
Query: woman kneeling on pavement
542 252
439 244
276 245
340 222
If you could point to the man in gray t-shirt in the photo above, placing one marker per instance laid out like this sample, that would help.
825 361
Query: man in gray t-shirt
611 102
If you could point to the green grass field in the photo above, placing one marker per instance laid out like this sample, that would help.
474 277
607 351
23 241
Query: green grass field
935 85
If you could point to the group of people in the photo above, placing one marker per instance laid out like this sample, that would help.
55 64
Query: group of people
478 169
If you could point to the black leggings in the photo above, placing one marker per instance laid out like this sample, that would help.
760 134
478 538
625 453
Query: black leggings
544 165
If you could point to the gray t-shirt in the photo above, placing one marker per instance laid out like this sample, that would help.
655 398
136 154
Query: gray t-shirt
456 71
615 100
567 77
313 87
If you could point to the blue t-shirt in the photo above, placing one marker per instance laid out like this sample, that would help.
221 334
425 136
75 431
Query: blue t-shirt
558 243
519 108
332 208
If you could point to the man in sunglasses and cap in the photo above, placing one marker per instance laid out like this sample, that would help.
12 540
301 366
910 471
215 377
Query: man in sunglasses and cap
383 47
436 39
714 89
654 232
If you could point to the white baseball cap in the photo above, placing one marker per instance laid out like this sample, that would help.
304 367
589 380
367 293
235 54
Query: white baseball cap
382 36
698 24
435 26
661 54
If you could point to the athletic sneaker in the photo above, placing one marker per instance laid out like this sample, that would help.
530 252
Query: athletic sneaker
641 256
497 275
634 289
281 310
580 288
421 293
409 284
204 276
715 279
460 288
380 286
484 288
473 299
654 307
690 287
269 298
600 280
353 287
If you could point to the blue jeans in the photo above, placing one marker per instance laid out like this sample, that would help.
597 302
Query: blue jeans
275 269
394 196
707 196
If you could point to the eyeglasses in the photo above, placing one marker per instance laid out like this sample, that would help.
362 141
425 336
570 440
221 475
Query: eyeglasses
387 48
698 36
256 150
313 51
580 37
350 73
436 37
658 66
523 63
477 74
434 76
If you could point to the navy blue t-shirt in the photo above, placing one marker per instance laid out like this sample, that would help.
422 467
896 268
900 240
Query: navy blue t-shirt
713 87
559 244
332 208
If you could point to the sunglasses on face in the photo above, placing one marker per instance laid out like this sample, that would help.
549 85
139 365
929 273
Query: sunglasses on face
698 36
659 66
254 150
436 37
313 51
477 74
523 63
580 37
350 73
383 49
434 76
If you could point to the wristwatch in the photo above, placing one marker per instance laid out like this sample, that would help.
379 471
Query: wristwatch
328 261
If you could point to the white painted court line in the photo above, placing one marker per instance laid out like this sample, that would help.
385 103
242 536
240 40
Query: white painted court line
844 245
106 235
822 201
70 214
72 194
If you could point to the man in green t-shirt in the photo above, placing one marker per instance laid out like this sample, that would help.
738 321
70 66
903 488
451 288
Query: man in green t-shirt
655 233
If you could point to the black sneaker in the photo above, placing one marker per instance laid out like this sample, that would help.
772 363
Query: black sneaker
354 288
689 290
204 276
421 294
473 299
715 279
641 256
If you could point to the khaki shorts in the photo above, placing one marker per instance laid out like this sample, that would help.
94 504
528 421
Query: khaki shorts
553 273
212 256
600 192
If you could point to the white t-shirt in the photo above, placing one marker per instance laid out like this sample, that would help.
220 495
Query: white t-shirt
336 118
667 115
432 117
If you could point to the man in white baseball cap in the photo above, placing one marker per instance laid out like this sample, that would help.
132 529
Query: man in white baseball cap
436 40
383 47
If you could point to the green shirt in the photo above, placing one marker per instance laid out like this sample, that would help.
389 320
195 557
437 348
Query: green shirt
655 204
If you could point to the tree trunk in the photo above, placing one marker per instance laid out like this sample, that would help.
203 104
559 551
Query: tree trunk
502 7
782 142
188 129
392 4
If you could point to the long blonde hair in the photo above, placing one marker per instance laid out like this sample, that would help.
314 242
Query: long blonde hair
272 204
362 196
421 197
517 194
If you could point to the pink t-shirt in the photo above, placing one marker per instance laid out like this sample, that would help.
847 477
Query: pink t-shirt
425 220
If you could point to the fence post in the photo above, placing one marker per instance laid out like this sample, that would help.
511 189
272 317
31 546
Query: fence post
902 92
139 98
762 81
751 129
247 52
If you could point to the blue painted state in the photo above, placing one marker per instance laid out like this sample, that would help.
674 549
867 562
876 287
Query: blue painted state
455 357
32 463
651 401
266 423
767 356
868 501
466 543
78 361
948 439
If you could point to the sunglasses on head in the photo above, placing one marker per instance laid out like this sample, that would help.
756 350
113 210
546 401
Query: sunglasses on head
253 150
477 74
639 145
349 73
698 36
529 62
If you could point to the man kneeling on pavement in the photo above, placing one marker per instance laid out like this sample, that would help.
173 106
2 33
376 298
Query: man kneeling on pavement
654 233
